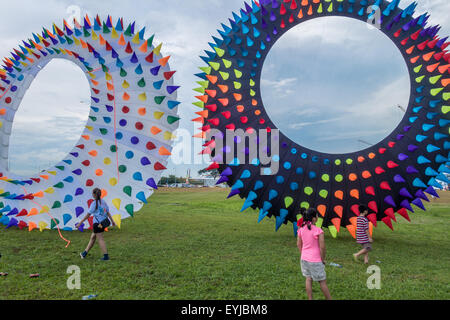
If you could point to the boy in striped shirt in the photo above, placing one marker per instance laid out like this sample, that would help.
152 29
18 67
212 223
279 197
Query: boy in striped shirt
362 234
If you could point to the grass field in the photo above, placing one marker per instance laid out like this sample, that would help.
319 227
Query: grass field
194 244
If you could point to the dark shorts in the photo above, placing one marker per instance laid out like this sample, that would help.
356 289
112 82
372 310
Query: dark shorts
367 246
98 228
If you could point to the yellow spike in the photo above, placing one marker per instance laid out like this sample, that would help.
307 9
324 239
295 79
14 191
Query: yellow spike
136 39
114 34
117 219
157 50
116 202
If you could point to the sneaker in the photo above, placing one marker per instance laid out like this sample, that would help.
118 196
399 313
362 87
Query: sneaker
83 254
105 258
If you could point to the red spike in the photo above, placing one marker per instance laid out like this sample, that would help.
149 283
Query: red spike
149 58
390 212
385 186
211 107
129 49
213 166
168 75
372 218
404 214
373 206
214 121
387 221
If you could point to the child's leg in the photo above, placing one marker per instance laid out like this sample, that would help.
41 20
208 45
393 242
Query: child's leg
91 242
361 252
324 288
366 257
101 243
309 288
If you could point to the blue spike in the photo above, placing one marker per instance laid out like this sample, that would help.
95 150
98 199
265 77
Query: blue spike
444 169
202 75
432 182
431 148
420 138
237 185
246 174
266 206
258 185
427 127
247 204
422 160
419 183
447 145
205 59
430 172
262 215
272 194
280 219
443 178
141 196
440 159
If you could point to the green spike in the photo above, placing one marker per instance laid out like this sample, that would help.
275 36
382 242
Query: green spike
86 33
199 104
56 205
220 52
150 41
445 109
59 185
159 99
128 31
288 201
435 79
237 85
53 224
237 73
127 190
123 73
333 231
130 209
418 68
227 63
204 84
225 75
214 65
105 28
206 70
419 79
141 83
435 92
200 90
172 119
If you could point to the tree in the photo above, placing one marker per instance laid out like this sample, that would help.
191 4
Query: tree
209 173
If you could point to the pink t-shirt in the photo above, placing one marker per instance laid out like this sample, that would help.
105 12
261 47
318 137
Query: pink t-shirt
310 239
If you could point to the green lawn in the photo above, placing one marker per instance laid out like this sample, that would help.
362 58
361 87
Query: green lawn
195 244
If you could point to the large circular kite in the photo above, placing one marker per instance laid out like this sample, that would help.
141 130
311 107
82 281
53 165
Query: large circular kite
390 177
127 139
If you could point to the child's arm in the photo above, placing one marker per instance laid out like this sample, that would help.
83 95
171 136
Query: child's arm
110 218
299 244
323 250
83 220
368 235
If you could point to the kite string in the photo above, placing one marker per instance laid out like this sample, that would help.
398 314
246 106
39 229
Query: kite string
54 220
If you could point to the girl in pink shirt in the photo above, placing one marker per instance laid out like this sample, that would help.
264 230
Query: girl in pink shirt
311 244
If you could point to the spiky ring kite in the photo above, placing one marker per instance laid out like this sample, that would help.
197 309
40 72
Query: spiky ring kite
128 136
389 177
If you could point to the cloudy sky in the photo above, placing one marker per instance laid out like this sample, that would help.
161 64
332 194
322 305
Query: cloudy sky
333 94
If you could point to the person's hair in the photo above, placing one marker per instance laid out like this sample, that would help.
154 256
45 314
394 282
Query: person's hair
97 196
308 216
363 208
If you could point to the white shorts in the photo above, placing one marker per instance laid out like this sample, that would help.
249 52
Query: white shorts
314 270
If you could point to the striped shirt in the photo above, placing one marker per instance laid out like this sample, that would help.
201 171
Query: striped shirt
362 224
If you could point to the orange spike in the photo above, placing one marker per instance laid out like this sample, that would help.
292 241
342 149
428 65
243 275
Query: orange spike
237 96
211 93
143 48
339 194
201 135
31 226
155 130
300 14
199 119
204 98
224 101
428 56
164 152
203 113
445 82
322 209
223 88
352 230
212 79
337 223
122 41
101 40
339 210
163 61
354 193
39 194
433 67
442 69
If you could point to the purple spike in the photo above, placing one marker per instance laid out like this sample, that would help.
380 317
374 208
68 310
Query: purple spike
400 136
263 23
233 193
430 190
268 38
399 179
12 222
405 193
151 183
405 204
108 22
274 4
418 203
263 10
222 179
227 172
390 201
13 212
397 17
402 157
275 31
273 17
411 170
248 8
407 128
441 42
420 194
412 148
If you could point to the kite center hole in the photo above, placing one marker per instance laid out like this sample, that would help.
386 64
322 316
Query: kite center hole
335 86
50 118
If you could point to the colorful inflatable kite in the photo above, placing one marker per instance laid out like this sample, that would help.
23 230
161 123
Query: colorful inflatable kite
390 177
128 136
